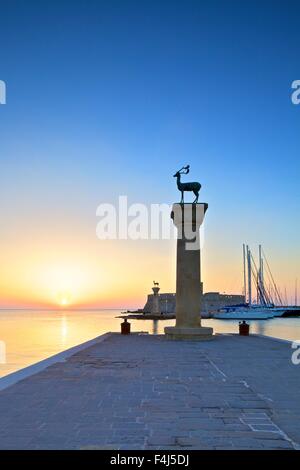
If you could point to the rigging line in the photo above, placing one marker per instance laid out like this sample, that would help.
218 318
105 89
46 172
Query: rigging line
269 288
279 297
272 283
264 295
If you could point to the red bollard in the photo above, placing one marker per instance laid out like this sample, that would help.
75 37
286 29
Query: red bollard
244 328
125 327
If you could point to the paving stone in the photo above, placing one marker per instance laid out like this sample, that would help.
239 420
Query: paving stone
264 427
144 392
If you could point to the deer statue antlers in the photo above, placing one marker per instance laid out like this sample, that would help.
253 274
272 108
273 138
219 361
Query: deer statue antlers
184 170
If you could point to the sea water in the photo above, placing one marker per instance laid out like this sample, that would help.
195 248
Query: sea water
28 336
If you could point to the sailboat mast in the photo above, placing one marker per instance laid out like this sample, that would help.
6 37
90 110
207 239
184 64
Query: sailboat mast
260 277
244 267
249 276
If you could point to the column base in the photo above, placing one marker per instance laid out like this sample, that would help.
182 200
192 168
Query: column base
192 334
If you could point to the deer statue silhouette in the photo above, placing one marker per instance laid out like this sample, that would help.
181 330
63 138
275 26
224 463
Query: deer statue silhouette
193 186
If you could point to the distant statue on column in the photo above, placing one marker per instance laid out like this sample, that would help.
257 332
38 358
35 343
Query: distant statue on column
155 304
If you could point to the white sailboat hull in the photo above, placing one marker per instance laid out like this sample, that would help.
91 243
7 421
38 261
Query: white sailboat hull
242 316
247 314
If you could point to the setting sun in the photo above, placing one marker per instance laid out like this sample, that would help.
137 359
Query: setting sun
64 299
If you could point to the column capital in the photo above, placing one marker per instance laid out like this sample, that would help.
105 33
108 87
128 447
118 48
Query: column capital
188 213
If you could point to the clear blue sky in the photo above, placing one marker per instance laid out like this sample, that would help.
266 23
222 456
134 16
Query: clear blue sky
111 97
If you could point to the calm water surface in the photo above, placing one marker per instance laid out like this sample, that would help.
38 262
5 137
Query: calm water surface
27 336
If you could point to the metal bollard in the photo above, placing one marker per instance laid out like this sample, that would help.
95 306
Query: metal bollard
125 327
244 328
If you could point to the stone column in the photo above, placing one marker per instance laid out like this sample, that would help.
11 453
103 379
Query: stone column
155 303
187 219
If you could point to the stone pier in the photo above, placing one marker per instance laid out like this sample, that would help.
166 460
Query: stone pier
141 392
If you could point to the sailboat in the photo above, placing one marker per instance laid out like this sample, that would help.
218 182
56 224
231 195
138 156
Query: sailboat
264 308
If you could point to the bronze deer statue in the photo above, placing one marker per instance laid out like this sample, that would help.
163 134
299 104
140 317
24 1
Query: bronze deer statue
193 186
